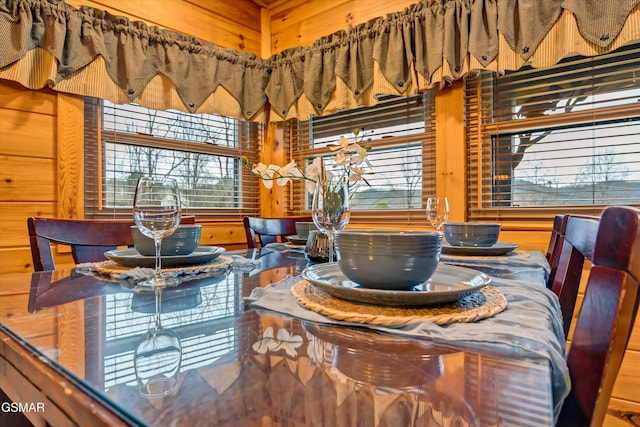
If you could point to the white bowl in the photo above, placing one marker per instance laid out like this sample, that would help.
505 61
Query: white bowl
387 259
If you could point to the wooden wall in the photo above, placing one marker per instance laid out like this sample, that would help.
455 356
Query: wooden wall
301 22
28 150
36 125
231 24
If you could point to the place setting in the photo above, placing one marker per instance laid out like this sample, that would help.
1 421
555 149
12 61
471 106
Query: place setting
165 253
475 239
392 277
388 277
466 238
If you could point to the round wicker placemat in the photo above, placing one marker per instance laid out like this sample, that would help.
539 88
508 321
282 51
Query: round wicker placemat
487 302
512 254
112 267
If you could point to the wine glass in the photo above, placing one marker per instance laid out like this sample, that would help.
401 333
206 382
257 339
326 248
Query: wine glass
437 211
330 209
156 212
157 358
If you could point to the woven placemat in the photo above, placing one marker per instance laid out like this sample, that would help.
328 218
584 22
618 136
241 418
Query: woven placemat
515 253
112 267
487 302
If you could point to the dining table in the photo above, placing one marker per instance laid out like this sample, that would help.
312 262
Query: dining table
252 353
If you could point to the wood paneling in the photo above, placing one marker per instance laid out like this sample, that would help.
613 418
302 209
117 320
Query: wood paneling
39 325
627 386
302 22
16 260
622 413
245 13
29 137
13 96
208 20
450 150
27 180
13 220
70 165
27 168
27 134
223 234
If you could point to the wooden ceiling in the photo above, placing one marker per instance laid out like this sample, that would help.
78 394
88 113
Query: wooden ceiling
264 3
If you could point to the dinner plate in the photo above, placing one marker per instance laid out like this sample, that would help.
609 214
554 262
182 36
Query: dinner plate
131 258
448 283
297 240
500 248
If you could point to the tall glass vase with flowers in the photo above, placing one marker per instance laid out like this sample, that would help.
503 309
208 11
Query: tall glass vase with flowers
330 209
332 185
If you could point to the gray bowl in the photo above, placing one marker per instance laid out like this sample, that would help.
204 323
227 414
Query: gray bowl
395 267
480 234
183 241
304 228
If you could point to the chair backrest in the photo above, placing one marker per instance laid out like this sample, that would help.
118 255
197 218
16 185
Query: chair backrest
262 231
606 318
88 238
576 244
554 240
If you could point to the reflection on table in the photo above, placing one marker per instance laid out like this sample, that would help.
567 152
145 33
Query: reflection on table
247 367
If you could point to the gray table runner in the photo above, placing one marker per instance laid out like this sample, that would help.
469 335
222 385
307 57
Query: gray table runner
531 326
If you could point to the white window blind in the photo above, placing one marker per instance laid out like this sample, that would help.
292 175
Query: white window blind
402 133
555 140
201 151
207 329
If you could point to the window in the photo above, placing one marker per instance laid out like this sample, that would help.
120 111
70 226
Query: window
204 318
402 155
554 140
201 151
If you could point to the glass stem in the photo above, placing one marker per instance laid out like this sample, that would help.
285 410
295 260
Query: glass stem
158 309
330 236
158 242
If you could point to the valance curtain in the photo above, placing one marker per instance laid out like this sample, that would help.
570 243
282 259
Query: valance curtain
90 52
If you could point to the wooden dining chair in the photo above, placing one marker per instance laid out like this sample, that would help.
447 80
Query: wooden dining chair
606 318
262 231
554 241
576 243
88 238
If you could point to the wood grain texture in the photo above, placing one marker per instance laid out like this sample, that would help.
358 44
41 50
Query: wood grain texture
75 405
451 150
16 260
71 337
203 19
13 96
222 233
29 180
40 324
27 134
13 220
528 240
627 384
70 170
622 413
293 23
242 12
20 389
302 22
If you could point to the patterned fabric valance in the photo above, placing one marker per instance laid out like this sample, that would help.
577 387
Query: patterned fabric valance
90 52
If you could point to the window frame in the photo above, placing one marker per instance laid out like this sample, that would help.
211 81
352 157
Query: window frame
299 135
483 129
249 139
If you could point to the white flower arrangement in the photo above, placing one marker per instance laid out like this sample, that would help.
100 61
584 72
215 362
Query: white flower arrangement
351 155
